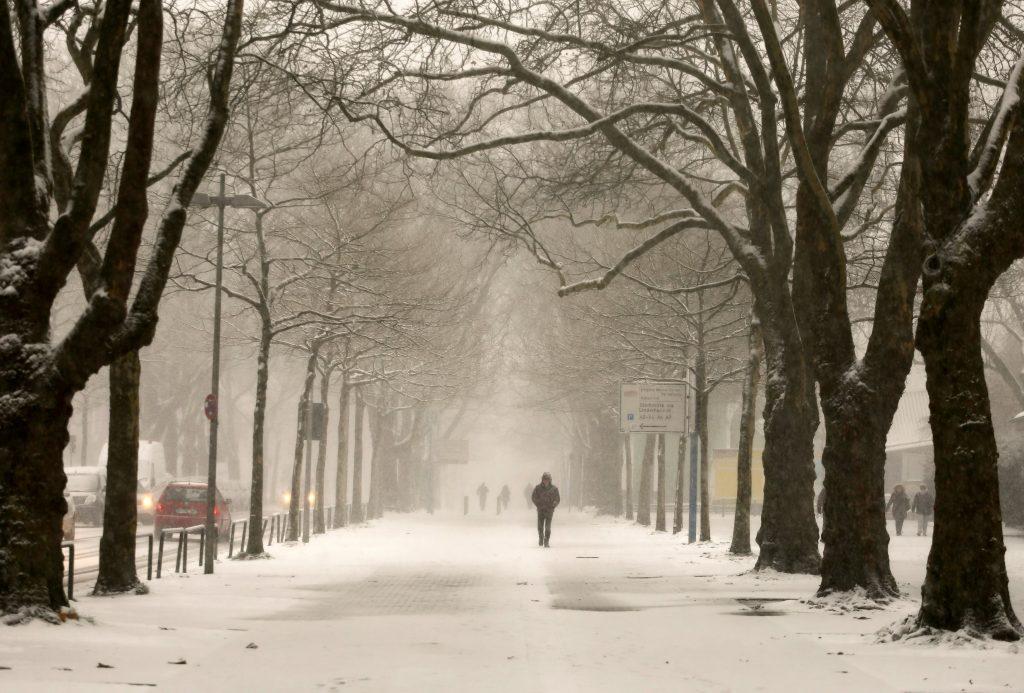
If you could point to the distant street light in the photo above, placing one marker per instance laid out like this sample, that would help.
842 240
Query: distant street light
221 201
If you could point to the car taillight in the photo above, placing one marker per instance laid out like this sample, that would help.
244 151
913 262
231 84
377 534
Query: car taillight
216 511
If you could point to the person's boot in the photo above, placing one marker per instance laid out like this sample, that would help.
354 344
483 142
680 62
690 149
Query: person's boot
540 541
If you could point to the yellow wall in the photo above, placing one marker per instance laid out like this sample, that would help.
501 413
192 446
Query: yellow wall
723 476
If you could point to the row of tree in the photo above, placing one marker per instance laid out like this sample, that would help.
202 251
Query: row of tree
798 133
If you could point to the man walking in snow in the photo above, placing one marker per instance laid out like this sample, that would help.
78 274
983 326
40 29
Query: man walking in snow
481 492
545 497
899 504
528 494
923 505
503 498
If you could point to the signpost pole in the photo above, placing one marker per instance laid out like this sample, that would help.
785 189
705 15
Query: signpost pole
211 476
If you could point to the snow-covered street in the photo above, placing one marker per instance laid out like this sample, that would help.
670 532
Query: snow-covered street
422 603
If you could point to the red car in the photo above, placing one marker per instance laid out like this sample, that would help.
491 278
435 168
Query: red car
183 504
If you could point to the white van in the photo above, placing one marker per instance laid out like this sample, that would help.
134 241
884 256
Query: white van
87 489
152 466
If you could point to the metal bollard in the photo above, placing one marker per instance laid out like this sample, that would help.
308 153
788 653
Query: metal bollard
160 556
183 540
202 548
245 534
149 558
177 557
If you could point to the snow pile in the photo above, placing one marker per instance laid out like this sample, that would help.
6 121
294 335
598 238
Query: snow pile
848 602
908 631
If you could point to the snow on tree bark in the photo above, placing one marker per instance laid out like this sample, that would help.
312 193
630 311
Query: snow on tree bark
38 378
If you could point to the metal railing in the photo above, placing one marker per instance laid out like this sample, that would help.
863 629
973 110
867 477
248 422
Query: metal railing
231 536
181 559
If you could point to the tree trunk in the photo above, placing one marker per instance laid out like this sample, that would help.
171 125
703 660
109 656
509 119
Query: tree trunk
659 519
744 458
341 477
356 515
372 497
677 519
294 507
628 446
788 536
701 421
643 506
254 541
117 545
321 458
966 583
33 434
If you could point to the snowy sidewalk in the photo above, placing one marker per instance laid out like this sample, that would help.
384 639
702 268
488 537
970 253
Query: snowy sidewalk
418 603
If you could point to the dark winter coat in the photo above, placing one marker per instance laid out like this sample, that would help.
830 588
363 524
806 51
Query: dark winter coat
924 503
899 504
546 497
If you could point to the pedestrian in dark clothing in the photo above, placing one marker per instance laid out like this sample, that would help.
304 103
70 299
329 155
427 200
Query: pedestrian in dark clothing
528 494
503 498
899 504
545 497
481 492
924 504
819 505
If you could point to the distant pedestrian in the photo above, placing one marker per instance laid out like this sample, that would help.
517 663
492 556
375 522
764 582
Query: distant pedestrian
899 504
528 494
924 505
545 497
481 492
504 496
819 505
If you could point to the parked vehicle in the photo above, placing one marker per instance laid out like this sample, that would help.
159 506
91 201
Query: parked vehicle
87 487
183 504
70 517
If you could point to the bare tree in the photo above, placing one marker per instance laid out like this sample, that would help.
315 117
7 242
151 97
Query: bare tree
970 186
38 378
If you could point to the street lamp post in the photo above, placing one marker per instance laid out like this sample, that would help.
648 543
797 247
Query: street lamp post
221 201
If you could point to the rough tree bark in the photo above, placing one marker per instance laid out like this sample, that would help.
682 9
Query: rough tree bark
788 536
744 457
321 457
294 507
677 519
356 515
117 571
254 542
643 505
341 476
701 420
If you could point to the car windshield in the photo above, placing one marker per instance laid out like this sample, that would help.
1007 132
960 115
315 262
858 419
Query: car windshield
185 494
83 482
